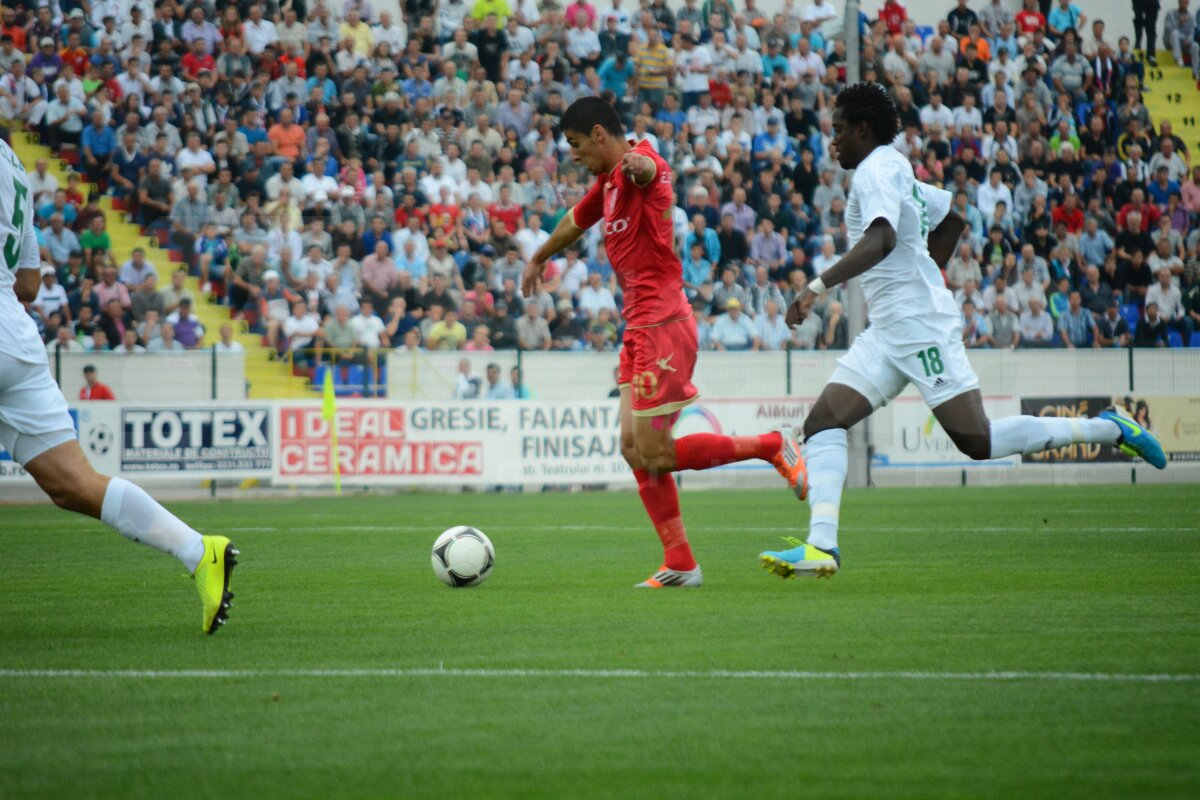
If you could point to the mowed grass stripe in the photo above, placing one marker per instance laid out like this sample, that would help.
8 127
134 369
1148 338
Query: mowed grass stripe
600 674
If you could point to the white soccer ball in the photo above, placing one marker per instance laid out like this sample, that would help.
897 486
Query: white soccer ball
463 556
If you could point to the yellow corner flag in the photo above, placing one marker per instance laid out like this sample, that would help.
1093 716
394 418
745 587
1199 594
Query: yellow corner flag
329 414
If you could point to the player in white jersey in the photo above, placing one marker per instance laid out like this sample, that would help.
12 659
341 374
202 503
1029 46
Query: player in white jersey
915 333
36 428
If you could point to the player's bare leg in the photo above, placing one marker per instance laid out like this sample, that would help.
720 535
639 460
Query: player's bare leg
837 409
64 473
967 424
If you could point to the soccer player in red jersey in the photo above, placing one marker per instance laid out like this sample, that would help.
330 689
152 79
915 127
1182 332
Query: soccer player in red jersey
633 195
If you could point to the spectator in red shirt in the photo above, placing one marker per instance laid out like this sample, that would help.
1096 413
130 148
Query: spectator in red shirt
196 60
893 15
93 389
1030 19
76 55
11 28
1137 202
1070 214
506 210
581 7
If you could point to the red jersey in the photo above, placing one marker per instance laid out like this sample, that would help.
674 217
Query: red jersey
192 64
639 236
1072 219
1029 21
508 216
893 15
97 392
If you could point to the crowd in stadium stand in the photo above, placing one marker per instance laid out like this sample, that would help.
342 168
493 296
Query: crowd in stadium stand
346 179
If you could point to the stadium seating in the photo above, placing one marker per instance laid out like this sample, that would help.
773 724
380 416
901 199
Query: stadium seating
475 249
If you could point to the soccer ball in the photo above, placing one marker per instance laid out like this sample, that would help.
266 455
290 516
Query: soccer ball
463 556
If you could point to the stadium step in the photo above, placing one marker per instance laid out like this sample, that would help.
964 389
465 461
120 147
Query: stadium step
267 377
1173 96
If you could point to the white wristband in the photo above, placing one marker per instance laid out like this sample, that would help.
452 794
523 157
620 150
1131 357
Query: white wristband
817 286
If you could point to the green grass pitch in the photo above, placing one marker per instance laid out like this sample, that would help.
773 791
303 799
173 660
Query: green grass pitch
941 589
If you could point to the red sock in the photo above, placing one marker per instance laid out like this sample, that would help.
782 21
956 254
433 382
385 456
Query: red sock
661 499
708 450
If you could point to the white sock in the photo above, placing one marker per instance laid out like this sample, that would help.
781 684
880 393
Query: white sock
1027 435
826 457
138 516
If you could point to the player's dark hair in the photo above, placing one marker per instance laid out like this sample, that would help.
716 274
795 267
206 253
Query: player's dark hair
588 112
869 102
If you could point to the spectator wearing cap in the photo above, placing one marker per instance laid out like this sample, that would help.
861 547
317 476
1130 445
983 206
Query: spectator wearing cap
93 388
733 330
51 296
1112 330
47 60
185 326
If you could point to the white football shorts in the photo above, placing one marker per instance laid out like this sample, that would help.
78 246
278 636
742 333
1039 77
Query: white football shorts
33 413
925 351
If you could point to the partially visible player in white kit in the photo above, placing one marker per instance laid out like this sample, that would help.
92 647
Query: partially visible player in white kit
36 428
915 333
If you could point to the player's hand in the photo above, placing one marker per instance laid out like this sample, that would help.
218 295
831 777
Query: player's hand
532 277
798 311
634 166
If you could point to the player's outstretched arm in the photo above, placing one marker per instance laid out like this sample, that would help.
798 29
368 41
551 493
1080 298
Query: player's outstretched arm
944 238
876 244
565 234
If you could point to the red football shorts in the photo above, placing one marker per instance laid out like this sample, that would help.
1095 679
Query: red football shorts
657 363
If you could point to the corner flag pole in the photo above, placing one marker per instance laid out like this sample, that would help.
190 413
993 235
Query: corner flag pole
329 414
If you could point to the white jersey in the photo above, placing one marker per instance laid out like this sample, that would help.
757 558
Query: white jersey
937 204
907 283
18 335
